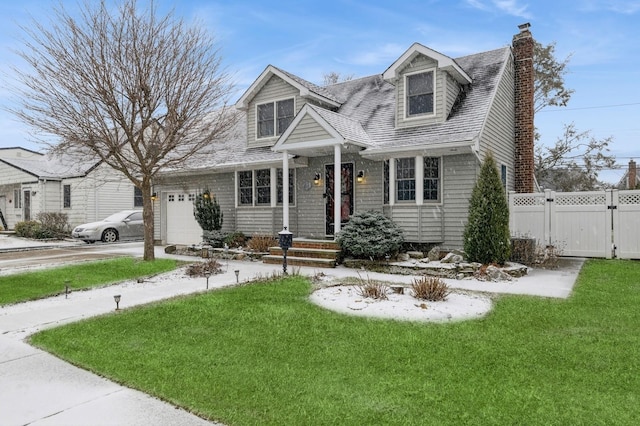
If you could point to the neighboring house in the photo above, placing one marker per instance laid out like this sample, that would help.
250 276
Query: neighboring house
408 142
630 180
31 183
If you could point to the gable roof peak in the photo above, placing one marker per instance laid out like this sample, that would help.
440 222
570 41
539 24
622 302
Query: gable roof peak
444 62
306 88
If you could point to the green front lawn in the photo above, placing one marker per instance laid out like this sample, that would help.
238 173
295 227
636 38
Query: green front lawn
49 282
262 354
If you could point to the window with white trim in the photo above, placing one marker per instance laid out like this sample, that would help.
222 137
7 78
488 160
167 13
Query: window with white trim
273 118
17 199
503 175
137 197
406 179
419 94
431 189
245 187
263 186
254 187
66 196
292 186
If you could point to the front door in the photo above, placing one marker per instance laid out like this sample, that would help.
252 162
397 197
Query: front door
26 205
346 190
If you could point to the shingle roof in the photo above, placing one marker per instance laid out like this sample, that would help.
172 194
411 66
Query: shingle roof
367 116
51 167
318 90
349 128
371 101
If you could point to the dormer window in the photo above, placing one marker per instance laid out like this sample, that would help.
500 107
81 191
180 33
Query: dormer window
274 117
419 89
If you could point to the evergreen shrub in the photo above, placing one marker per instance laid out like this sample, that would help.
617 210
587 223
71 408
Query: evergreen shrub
207 211
486 235
370 235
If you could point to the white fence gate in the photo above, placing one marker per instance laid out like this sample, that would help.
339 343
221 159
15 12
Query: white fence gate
588 224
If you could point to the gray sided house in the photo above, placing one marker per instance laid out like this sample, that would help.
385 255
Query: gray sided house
32 183
408 142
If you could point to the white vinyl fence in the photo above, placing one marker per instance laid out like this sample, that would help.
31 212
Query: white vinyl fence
588 224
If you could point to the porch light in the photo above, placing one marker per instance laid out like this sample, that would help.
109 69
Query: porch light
154 196
316 179
117 300
360 177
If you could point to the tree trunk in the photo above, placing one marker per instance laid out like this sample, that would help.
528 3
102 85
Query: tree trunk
147 216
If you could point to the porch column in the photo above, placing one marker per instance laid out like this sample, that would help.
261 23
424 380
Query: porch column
392 181
285 190
419 163
337 188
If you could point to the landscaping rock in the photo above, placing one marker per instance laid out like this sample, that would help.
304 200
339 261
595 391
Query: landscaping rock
496 274
415 254
170 249
434 254
452 258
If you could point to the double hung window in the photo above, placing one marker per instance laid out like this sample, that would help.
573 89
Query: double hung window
66 196
254 187
274 118
419 89
292 186
263 186
431 178
137 197
245 187
406 179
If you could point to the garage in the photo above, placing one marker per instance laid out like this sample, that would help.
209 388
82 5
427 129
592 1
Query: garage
182 227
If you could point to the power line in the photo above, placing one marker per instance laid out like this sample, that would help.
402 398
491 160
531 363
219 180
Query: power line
591 107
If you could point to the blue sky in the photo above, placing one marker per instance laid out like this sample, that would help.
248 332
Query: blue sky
360 38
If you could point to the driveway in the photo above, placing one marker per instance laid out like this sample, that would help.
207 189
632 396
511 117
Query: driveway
13 257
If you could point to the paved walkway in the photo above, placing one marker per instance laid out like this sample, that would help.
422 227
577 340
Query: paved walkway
38 389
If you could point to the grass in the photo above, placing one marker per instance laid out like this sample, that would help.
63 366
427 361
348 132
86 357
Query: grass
39 284
261 354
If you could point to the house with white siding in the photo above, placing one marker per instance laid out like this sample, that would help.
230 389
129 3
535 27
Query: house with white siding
32 183
408 142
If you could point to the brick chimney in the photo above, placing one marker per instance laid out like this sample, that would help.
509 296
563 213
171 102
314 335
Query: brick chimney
524 127
632 177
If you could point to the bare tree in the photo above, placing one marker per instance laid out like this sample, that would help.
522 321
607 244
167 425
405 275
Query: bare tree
334 77
549 72
138 91
574 162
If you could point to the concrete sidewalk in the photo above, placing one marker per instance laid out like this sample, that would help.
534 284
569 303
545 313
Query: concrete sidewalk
39 389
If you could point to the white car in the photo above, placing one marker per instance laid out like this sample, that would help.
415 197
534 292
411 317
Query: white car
124 225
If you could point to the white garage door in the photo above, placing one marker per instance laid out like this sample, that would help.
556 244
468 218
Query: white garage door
182 227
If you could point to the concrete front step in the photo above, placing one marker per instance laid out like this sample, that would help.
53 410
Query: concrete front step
300 261
307 252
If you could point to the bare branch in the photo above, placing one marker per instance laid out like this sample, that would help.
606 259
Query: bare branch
139 91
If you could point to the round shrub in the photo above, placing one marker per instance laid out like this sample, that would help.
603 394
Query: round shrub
370 235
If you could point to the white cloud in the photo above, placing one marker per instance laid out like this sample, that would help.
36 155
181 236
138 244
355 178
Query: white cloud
625 7
513 8
477 4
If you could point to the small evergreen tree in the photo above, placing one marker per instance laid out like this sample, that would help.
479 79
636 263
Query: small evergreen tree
486 235
207 211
